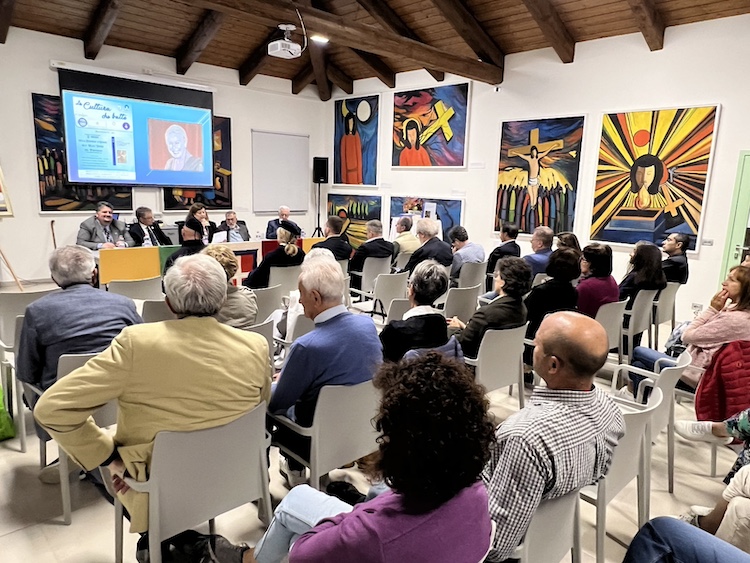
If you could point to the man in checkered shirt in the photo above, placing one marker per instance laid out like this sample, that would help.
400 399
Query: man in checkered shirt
563 439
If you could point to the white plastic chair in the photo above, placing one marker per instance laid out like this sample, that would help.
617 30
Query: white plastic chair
554 531
344 266
461 302
149 288
628 462
387 288
403 259
301 326
372 268
155 311
8 367
352 406
539 279
266 330
610 316
640 320
397 309
196 476
287 277
13 304
499 362
472 273
268 299
664 309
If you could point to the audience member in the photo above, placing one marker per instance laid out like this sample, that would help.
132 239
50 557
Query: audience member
507 247
192 242
565 436
568 239
374 247
431 247
102 231
512 282
287 254
405 242
236 230
422 326
541 244
147 232
337 243
597 287
240 308
557 293
435 436
463 250
198 211
321 357
274 224
161 381
675 266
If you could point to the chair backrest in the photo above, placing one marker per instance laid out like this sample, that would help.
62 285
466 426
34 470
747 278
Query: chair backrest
451 349
551 532
267 299
403 259
266 330
389 287
13 304
461 302
668 378
499 357
610 317
664 305
149 288
301 326
156 310
396 309
200 474
640 314
17 334
539 279
287 277
372 268
344 266
68 363
472 273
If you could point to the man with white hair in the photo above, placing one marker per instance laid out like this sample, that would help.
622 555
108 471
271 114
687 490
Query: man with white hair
177 144
432 247
185 374
541 244
273 224
374 247
321 357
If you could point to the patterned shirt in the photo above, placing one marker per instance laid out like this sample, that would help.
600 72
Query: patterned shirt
561 441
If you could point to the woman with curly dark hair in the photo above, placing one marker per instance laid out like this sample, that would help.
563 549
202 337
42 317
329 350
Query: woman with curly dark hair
435 438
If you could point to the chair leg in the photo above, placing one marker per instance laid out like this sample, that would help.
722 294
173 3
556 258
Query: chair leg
42 454
714 450
670 448
64 469
21 415
212 526
521 398
601 525
656 336
575 553
118 531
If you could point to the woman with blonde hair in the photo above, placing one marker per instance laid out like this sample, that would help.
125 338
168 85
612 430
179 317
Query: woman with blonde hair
287 254
240 309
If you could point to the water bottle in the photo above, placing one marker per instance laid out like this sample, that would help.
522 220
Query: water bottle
257 235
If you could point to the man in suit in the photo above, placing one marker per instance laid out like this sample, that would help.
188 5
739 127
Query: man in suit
431 246
236 231
375 246
146 232
273 224
405 241
102 231
676 266
335 241
164 376
541 244
507 247
77 320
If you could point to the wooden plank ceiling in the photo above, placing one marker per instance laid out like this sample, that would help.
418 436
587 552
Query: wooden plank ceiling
368 38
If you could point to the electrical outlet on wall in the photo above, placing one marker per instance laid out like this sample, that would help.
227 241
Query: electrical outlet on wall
697 308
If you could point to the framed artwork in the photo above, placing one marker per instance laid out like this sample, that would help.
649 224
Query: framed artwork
220 196
429 126
355 210
5 208
55 192
447 211
537 177
355 141
653 174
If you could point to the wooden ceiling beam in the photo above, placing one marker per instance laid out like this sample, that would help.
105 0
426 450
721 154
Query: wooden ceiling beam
192 49
650 22
363 37
340 78
303 78
6 15
553 29
256 60
471 31
100 26
382 71
318 60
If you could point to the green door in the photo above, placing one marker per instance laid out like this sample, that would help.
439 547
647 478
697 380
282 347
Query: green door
738 235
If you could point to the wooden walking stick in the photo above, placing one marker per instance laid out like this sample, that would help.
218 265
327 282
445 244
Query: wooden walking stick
54 240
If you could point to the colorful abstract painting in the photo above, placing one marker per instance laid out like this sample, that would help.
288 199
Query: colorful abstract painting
355 210
355 141
652 175
5 208
429 126
537 178
56 193
448 211
220 196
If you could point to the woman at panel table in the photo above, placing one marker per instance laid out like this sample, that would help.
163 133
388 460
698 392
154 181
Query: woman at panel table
287 254
199 211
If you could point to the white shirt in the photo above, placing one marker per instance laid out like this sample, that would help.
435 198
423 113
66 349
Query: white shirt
328 314
418 311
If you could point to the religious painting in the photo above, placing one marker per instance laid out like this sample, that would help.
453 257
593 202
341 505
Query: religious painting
5 208
355 210
355 141
537 178
220 196
56 193
652 175
429 126
447 211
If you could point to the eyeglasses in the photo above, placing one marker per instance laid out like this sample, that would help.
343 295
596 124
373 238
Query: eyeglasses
495 275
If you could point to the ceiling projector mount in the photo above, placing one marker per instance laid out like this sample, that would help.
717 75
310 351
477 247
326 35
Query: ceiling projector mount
286 48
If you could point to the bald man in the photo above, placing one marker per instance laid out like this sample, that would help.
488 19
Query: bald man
563 439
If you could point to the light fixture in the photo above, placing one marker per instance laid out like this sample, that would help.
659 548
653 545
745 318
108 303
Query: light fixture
319 38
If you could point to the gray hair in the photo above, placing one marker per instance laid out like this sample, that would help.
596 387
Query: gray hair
545 235
71 264
428 281
320 272
406 223
140 213
196 285
375 226
427 227
228 213
104 204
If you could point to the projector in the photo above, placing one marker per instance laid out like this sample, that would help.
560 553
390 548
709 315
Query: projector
284 49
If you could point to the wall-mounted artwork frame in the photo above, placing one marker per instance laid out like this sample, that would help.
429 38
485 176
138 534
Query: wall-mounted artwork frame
355 140
355 210
448 211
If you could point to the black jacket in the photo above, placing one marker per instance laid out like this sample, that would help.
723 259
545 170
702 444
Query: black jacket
421 331
676 268
137 233
341 248
435 249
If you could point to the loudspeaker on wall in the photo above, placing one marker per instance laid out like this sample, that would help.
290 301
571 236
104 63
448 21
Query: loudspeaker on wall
320 169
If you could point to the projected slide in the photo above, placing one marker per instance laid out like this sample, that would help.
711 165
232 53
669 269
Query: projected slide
116 140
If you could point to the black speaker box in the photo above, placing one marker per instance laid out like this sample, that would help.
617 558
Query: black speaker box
320 170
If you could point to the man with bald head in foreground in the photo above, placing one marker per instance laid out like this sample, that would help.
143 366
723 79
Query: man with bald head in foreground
563 439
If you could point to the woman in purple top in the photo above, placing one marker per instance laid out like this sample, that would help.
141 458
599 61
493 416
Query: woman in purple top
435 437
597 287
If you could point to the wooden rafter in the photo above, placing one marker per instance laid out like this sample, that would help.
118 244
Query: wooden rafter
553 29
318 60
471 31
255 62
340 78
6 15
192 49
649 21
100 26
381 69
303 78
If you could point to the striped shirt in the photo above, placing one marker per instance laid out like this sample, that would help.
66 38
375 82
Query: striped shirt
562 441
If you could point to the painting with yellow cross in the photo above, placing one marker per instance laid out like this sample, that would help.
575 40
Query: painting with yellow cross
429 126
653 174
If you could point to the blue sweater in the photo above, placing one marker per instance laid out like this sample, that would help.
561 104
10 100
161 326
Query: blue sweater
344 350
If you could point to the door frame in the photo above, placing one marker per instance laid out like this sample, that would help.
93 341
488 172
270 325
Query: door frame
739 219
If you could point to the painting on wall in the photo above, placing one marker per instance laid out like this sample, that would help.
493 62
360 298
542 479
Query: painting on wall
652 174
220 196
56 193
429 126
355 142
5 208
447 211
537 178
355 210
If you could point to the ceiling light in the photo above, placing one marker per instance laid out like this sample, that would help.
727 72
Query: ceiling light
319 38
